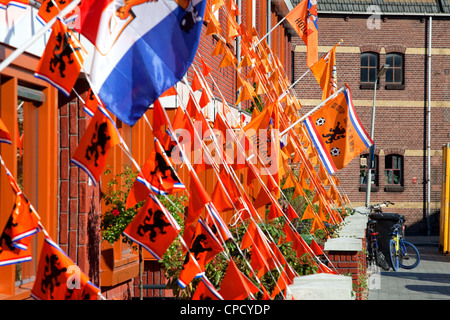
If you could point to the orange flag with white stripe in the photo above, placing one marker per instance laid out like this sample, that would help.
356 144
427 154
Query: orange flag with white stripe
100 136
62 59
58 278
5 136
153 228
337 133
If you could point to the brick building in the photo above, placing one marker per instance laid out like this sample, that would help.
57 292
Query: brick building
395 33
69 205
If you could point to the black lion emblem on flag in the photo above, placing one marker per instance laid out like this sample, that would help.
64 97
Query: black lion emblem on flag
51 274
99 139
63 50
336 134
158 223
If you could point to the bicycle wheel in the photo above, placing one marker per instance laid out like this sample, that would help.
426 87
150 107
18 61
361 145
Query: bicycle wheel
382 261
409 257
394 255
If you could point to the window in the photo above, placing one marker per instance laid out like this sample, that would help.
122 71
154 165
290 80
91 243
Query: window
394 74
369 68
393 170
363 171
33 162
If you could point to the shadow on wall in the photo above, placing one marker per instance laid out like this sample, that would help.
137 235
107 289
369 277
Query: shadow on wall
420 227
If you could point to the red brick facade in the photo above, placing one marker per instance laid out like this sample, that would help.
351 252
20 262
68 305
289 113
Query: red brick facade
401 115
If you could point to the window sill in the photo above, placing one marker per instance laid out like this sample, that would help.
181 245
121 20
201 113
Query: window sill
368 86
395 87
20 293
115 271
372 188
394 189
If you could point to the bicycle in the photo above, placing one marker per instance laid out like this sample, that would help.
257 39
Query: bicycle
402 253
374 254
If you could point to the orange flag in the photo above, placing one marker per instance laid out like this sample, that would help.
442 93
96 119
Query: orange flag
309 213
196 85
316 248
5 136
216 223
58 278
91 103
205 68
303 18
337 133
16 236
206 291
157 174
291 214
198 198
235 285
49 9
324 71
159 119
4 4
169 92
203 247
286 278
100 136
62 59
153 228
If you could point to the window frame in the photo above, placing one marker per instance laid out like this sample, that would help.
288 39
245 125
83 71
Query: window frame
393 186
40 162
369 84
395 85
375 174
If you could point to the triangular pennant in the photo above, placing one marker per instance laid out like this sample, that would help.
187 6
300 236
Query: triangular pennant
235 285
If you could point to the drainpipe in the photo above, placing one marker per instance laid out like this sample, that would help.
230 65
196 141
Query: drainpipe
269 19
428 213
238 53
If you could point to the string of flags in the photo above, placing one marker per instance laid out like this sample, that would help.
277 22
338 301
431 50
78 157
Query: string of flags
132 71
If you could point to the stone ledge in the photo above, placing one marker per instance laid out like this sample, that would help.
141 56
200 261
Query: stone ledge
354 226
343 244
321 286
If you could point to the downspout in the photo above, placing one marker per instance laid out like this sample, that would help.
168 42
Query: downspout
238 53
428 213
269 19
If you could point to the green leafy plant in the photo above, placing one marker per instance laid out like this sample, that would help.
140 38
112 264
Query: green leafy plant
116 218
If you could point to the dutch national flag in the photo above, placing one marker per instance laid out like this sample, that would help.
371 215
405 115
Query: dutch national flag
142 48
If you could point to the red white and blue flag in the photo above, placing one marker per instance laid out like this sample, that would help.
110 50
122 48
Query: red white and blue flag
142 49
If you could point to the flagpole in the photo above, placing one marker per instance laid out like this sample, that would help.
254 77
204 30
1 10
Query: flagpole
284 18
37 36
292 85
312 111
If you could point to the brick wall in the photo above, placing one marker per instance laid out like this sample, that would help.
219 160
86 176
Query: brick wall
152 274
400 114
79 204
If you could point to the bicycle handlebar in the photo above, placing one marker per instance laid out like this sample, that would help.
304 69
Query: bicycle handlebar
380 205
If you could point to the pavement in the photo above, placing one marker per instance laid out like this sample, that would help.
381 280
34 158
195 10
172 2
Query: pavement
430 280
